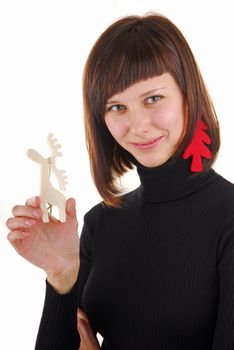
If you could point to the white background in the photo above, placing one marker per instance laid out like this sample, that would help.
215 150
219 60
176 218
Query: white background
43 48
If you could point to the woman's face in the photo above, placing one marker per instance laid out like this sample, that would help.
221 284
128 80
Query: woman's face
147 119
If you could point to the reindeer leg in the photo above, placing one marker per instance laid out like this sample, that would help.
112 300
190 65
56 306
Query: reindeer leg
62 213
45 217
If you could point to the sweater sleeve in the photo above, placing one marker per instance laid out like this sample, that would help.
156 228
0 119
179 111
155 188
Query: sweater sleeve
58 326
224 330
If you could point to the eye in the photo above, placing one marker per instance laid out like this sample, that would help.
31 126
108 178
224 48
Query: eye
153 99
116 108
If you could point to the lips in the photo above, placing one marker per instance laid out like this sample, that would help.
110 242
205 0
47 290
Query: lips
148 144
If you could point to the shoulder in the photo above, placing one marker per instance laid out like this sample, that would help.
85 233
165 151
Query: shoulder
223 199
96 213
92 216
223 189
226 232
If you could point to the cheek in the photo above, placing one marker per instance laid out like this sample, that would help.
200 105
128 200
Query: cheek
170 119
117 128
162 118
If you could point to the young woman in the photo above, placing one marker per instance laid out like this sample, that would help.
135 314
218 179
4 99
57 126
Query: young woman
155 266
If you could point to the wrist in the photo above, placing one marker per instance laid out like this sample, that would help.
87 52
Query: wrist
63 282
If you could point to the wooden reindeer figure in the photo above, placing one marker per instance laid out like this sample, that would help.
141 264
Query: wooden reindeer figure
48 193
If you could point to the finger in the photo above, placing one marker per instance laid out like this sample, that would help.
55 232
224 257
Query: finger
26 211
81 334
16 223
82 314
71 207
33 202
17 235
86 334
85 345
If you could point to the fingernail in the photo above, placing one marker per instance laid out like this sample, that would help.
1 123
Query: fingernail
32 199
26 234
36 213
29 222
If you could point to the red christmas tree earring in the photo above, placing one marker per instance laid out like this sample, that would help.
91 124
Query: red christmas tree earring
197 149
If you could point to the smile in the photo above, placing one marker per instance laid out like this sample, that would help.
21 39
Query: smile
147 145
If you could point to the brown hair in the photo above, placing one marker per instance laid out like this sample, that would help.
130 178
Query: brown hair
132 49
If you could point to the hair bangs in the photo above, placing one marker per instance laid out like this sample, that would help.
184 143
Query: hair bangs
135 60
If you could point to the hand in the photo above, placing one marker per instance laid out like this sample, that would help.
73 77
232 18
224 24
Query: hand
88 340
52 246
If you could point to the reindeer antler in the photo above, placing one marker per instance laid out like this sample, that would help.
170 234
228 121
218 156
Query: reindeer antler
52 141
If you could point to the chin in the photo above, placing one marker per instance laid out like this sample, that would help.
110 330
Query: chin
152 163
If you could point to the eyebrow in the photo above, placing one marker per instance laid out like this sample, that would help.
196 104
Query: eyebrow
142 95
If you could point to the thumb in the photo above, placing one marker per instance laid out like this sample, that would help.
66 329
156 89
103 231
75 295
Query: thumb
71 207
87 337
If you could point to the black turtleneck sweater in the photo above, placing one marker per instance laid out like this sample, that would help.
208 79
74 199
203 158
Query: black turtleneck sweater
156 274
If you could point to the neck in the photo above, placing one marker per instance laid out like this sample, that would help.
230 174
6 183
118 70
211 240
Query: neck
169 181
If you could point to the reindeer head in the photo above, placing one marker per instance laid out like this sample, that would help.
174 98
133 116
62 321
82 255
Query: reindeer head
36 157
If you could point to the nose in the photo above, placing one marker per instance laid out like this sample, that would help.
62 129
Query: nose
139 122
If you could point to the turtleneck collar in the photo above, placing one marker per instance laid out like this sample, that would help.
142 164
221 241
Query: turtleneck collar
169 181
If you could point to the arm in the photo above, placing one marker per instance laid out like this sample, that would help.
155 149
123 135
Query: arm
224 330
58 326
